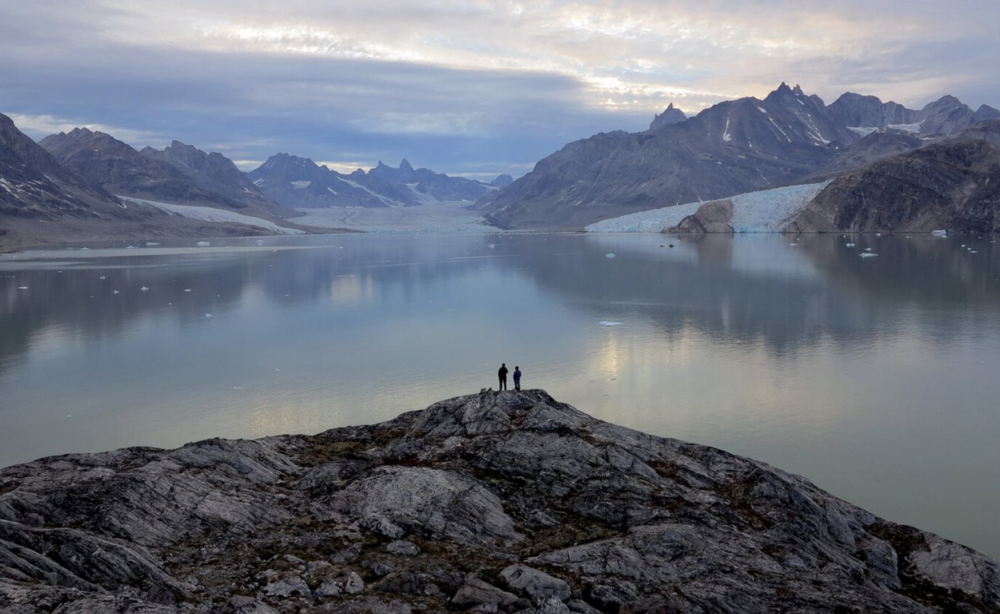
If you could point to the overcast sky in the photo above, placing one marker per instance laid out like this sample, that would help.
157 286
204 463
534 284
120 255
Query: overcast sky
468 88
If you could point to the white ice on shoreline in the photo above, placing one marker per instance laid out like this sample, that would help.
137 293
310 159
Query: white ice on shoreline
763 211
208 214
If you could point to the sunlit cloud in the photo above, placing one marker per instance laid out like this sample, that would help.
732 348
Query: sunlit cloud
460 84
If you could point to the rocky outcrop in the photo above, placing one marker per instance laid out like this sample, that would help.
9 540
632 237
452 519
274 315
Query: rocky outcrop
950 185
492 502
716 216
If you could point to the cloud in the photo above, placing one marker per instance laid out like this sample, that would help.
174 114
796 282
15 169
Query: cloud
462 84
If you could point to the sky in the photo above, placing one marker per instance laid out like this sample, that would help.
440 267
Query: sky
470 88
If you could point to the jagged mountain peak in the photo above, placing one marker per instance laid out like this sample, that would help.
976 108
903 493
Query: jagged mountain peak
405 165
671 115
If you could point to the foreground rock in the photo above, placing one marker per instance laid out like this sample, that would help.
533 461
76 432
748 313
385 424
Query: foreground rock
495 502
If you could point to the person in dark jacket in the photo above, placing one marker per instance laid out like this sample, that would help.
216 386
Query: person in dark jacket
517 378
502 373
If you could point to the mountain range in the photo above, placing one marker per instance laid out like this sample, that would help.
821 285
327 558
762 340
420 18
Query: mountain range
178 174
730 148
881 156
301 183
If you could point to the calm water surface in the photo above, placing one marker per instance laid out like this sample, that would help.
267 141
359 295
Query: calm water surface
877 378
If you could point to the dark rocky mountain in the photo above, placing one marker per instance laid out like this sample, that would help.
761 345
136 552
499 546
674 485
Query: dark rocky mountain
855 110
300 182
877 145
731 148
40 197
502 181
213 172
492 502
34 186
426 184
950 185
946 115
670 115
178 174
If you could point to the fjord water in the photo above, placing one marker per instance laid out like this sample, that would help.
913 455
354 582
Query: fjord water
877 378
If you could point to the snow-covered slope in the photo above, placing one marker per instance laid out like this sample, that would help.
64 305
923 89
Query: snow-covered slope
209 214
762 211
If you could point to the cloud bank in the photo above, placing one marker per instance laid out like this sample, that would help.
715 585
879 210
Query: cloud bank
467 87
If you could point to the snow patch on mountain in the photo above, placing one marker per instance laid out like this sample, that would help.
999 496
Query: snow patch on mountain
209 214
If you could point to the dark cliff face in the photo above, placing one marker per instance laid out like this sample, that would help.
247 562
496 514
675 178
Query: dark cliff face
33 186
178 174
949 185
502 502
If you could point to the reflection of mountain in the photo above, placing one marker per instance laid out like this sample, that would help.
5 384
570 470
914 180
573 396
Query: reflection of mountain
81 305
737 289
789 297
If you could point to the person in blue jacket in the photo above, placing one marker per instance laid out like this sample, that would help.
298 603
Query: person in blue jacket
517 378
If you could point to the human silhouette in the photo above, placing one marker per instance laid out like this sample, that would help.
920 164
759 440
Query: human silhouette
517 377
502 373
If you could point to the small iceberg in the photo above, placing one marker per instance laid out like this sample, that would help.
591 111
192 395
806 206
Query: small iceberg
609 323
130 247
103 277
492 246
204 243
115 292
208 315
144 289
187 289
868 249
609 255
152 244
939 233
22 287
850 245
868 255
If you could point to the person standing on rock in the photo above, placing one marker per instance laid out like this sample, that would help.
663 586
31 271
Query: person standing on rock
517 377
502 373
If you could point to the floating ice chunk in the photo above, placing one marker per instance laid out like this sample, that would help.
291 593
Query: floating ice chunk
130 247
492 246
144 289
152 244
793 244
204 243
868 249
972 251
850 245
868 255
22 287
609 255
84 249
103 277
939 233
963 244
115 292
878 234
609 323
187 289
208 315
